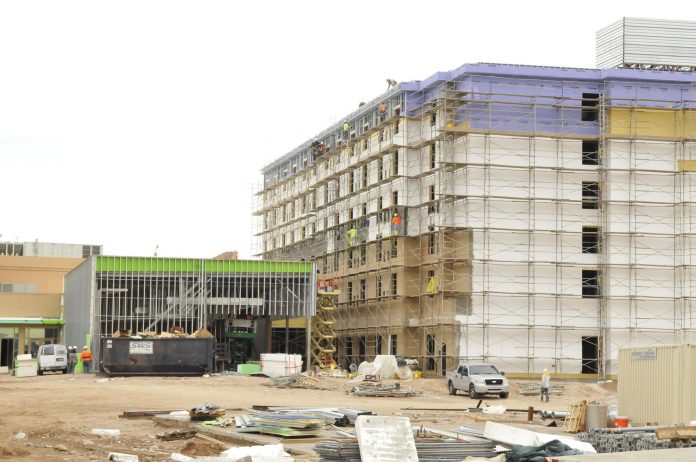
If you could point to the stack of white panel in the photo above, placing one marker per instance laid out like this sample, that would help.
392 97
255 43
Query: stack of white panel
279 364
26 366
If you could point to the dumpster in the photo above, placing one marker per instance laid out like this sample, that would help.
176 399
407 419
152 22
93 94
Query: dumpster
156 356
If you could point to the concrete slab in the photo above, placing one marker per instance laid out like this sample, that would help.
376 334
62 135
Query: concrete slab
385 439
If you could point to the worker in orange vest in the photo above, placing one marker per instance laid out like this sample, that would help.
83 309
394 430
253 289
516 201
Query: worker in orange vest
396 223
86 358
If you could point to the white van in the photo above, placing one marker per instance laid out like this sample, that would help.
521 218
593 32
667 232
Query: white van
52 358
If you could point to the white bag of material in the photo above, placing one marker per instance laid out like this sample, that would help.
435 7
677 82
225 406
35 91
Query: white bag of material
384 367
404 373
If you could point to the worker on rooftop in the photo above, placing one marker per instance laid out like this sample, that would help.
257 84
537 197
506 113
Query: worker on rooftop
396 223
545 385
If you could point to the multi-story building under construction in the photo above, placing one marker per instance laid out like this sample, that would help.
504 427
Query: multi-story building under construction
546 216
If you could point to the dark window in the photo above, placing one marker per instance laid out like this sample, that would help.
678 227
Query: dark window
590 239
432 208
395 198
335 262
351 182
363 254
378 250
590 284
381 136
363 289
432 156
361 349
365 144
394 280
590 195
378 345
590 350
431 244
430 352
350 258
349 288
394 248
364 177
396 128
380 205
380 169
395 163
590 107
590 152
349 350
392 344
364 209
433 119
378 286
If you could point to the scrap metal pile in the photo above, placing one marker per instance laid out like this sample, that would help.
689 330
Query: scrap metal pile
634 439
384 390
428 450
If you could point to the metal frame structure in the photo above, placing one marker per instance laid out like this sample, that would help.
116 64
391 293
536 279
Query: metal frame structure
143 294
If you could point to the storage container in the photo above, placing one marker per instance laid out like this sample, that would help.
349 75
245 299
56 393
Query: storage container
157 356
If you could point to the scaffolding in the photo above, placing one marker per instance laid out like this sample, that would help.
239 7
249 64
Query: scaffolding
546 221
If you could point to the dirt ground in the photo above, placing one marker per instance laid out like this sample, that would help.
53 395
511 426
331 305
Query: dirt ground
58 412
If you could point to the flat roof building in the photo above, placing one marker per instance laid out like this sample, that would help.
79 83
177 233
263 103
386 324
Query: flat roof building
535 217
234 299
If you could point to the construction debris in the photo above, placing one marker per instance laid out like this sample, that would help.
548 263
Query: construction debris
176 435
429 450
385 439
636 438
293 381
384 390
120 457
509 435
206 411
284 425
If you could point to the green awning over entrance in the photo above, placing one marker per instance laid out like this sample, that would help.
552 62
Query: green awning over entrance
32 321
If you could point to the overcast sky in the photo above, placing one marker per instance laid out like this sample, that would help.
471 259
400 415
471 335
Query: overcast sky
136 124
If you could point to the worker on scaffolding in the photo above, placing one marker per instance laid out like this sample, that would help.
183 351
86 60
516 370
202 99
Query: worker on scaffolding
382 112
346 130
352 235
396 224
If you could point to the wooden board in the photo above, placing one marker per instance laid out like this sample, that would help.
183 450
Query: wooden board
576 418
675 433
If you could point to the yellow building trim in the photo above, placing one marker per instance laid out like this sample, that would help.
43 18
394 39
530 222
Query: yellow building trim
687 165
652 122
295 323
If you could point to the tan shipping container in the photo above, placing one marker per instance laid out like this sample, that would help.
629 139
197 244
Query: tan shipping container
657 384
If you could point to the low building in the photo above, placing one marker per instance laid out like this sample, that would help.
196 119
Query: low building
31 293
235 300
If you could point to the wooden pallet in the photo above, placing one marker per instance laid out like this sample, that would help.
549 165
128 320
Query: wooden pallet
576 418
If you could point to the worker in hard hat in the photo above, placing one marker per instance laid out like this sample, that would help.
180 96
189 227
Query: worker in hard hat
396 223
86 358
545 385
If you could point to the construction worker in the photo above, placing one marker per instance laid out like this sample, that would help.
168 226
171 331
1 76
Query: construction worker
346 129
396 223
86 358
72 359
382 112
352 235
545 385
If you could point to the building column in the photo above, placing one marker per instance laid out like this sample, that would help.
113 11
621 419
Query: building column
21 340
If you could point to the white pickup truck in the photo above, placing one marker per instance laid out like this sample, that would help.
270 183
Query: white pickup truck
478 380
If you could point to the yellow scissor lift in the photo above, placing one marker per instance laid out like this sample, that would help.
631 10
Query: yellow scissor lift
323 334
